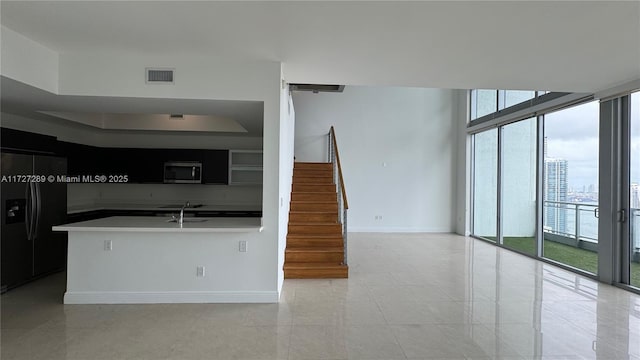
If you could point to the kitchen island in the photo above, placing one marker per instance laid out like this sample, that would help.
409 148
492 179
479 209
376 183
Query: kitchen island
134 259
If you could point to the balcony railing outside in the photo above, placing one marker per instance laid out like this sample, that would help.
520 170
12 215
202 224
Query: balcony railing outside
580 222
576 220
635 232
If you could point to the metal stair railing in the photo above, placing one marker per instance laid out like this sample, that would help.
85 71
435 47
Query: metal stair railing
343 204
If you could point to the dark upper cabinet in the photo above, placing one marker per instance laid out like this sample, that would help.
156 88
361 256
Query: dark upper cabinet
81 159
27 142
183 155
152 171
142 165
215 167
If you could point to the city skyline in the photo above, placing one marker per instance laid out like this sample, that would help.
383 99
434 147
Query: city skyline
572 134
555 190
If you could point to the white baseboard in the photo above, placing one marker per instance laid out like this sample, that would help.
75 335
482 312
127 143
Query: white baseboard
399 230
131 297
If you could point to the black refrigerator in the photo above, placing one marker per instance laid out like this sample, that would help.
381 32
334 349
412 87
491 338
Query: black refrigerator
29 209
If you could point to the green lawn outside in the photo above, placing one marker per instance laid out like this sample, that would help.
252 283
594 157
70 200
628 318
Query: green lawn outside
565 254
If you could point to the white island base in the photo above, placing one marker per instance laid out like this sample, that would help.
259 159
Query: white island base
135 260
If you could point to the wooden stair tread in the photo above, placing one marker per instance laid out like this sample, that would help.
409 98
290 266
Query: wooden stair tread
312 212
311 183
318 243
314 223
313 192
315 271
315 236
315 249
314 266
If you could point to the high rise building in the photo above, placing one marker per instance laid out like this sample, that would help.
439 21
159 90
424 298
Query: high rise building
635 196
555 190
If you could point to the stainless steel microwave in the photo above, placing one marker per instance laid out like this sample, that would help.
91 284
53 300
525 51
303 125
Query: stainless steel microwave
184 172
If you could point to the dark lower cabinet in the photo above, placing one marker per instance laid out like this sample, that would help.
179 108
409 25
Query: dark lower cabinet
86 216
99 214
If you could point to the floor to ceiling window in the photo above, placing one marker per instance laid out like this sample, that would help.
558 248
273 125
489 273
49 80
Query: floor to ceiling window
485 184
634 213
546 166
518 186
570 186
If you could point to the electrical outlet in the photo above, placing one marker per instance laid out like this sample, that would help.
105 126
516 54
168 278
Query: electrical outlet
378 217
108 245
200 271
242 246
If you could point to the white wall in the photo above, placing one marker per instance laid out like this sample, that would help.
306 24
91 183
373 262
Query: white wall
398 153
196 76
287 134
28 61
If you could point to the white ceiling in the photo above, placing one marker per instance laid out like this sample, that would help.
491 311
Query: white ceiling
582 46
221 117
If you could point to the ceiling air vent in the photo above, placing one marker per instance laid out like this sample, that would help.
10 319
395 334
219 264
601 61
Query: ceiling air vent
159 75
316 88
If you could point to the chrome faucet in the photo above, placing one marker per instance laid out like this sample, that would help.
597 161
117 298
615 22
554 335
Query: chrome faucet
181 219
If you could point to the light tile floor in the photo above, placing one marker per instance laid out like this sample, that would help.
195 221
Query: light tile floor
416 296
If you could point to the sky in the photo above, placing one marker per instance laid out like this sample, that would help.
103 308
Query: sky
572 134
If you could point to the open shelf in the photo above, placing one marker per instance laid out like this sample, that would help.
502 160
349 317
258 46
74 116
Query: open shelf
245 167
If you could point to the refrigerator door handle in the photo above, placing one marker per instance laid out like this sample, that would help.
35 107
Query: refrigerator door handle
27 214
36 223
32 218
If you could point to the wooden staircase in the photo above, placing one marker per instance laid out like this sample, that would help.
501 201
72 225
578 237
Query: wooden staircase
315 248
